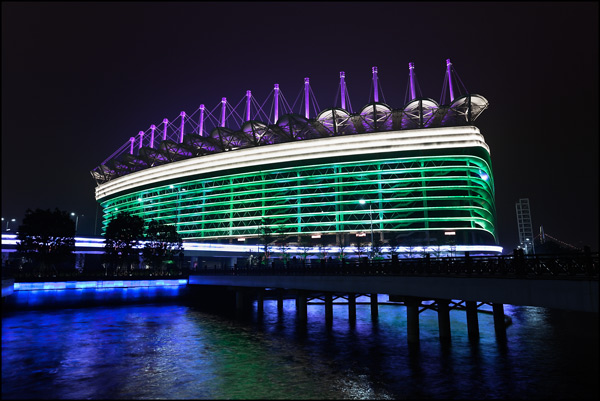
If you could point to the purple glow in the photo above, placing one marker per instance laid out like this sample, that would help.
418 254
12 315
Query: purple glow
201 130
306 97
132 140
141 138
224 103
152 127
411 67
343 88
182 126
276 103
248 98
165 122
375 90
448 68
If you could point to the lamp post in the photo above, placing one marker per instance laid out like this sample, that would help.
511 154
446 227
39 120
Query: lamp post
362 202
8 221
76 219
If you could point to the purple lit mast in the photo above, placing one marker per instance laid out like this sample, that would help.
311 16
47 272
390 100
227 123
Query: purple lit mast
411 68
224 106
375 90
343 88
182 126
152 129
248 98
201 129
165 122
132 140
306 97
141 138
448 68
276 102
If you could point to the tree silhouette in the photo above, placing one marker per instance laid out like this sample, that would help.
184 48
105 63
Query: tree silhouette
267 237
360 248
342 245
376 248
163 246
47 240
394 243
122 236
305 245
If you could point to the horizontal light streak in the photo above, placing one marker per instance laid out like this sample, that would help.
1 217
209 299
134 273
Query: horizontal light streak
80 285
196 246
372 143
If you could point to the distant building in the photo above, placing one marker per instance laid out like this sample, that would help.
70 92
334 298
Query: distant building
525 226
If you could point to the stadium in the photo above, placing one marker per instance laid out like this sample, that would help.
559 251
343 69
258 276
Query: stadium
418 178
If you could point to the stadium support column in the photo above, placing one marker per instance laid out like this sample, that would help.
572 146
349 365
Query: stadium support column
152 129
444 318
328 308
343 89
165 125
276 103
182 127
260 295
248 103
411 67
223 109
380 199
280 300
240 300
472 320
425 207
499 323
352 307
448 71
412 319
374 306
306 98
301 305
339 216
375 88
201 127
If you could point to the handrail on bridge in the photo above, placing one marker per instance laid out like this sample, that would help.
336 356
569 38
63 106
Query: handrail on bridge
584 266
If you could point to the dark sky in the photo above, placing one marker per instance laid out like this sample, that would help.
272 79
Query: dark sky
79 79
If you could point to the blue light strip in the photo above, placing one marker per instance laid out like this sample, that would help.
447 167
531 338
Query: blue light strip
11 239
79 285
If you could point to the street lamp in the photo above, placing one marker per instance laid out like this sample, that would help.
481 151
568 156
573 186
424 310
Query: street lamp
76 219
362 202
8 222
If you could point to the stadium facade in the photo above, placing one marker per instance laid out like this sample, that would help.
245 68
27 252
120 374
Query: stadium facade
419 176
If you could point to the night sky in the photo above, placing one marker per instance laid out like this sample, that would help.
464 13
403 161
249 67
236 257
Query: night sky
80 78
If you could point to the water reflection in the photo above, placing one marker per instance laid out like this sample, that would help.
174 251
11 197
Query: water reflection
181 351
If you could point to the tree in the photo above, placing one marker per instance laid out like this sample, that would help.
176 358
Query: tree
360 248
267 237
394 243
376 248
163 246
121 239
306 246
322 245
281 240
47 240
342 245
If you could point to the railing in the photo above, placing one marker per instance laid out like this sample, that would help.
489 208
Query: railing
22 276
564 267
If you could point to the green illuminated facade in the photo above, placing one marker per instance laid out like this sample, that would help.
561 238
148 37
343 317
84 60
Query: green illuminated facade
425 187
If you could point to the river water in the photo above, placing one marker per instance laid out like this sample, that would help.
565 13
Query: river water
177 350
